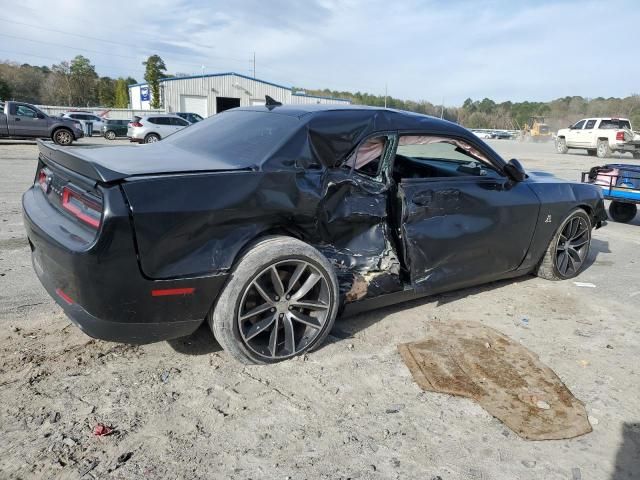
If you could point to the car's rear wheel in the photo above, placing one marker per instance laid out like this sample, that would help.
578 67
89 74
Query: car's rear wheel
152 138
603 150
281 300
561 145
62 136
622 212
568 248
110 135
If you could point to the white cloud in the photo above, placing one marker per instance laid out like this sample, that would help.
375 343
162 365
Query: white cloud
423 50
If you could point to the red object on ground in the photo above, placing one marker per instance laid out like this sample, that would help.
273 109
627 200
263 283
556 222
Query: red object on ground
101 430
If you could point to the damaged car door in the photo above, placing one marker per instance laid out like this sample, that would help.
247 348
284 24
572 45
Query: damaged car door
462 220
354 224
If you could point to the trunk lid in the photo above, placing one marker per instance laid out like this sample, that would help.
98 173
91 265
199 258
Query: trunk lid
111 164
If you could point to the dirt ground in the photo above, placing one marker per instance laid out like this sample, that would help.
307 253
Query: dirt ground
183 409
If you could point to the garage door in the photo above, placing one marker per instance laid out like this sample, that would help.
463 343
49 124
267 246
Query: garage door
194 104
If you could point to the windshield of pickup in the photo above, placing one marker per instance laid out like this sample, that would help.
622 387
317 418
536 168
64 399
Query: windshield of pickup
614 124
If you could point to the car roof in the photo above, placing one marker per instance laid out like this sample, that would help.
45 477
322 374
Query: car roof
170 115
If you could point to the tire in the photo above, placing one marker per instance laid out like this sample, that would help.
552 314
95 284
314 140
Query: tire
592 152
110 135
561 145
622 212
152 138
603 150
556 266
298 329
62 136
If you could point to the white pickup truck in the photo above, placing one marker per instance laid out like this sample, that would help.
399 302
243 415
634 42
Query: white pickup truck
599 136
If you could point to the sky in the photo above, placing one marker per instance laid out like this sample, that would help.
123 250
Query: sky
439 51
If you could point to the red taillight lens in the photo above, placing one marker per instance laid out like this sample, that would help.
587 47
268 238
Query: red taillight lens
135 124
42 180
81 207
620 136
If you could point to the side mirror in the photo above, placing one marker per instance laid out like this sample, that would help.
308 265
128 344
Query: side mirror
515 170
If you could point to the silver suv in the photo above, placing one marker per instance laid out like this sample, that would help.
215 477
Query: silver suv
83 117
152 128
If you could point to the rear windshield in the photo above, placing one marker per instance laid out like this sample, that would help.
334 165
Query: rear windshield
242 138
615 123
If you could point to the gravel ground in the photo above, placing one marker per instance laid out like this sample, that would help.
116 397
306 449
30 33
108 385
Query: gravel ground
183 409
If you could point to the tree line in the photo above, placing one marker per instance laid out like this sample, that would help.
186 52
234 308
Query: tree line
486 113
77 84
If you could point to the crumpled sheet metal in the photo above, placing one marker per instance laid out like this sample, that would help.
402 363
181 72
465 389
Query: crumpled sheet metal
508 380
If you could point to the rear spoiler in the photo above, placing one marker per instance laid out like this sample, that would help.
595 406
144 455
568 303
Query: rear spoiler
75 161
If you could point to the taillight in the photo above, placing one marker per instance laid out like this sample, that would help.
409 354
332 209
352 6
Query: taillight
620 136
42 180
83 208
135 124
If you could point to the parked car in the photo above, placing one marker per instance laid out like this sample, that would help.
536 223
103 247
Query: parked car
190 117
115 128
501 135
84 117
482 134
20 120
266 221
599 136
152 128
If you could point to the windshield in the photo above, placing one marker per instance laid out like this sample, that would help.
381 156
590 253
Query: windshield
242 138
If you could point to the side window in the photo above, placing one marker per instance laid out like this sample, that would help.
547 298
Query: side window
24 111
179 122
579 125
154 120
590 124
368 156
424 156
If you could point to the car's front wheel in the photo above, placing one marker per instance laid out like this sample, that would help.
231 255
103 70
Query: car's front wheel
110 135
561 145
568 248
281 300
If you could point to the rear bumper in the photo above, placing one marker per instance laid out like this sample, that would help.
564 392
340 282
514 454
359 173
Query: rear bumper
125 332
100 287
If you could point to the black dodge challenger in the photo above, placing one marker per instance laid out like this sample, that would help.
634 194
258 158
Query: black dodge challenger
268 221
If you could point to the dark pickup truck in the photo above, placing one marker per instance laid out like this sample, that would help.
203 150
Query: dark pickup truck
21 120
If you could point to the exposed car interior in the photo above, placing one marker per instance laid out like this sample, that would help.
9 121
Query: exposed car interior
421 156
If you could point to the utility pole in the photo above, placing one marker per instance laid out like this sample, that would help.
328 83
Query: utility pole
385 95
254 64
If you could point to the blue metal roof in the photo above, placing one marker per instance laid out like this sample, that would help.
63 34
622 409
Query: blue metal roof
206 75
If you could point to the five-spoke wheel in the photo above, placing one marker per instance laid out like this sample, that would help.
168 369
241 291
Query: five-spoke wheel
283 309
280 301
568 249
572 246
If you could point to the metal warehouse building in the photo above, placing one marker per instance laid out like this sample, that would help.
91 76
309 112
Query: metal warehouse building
213 93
